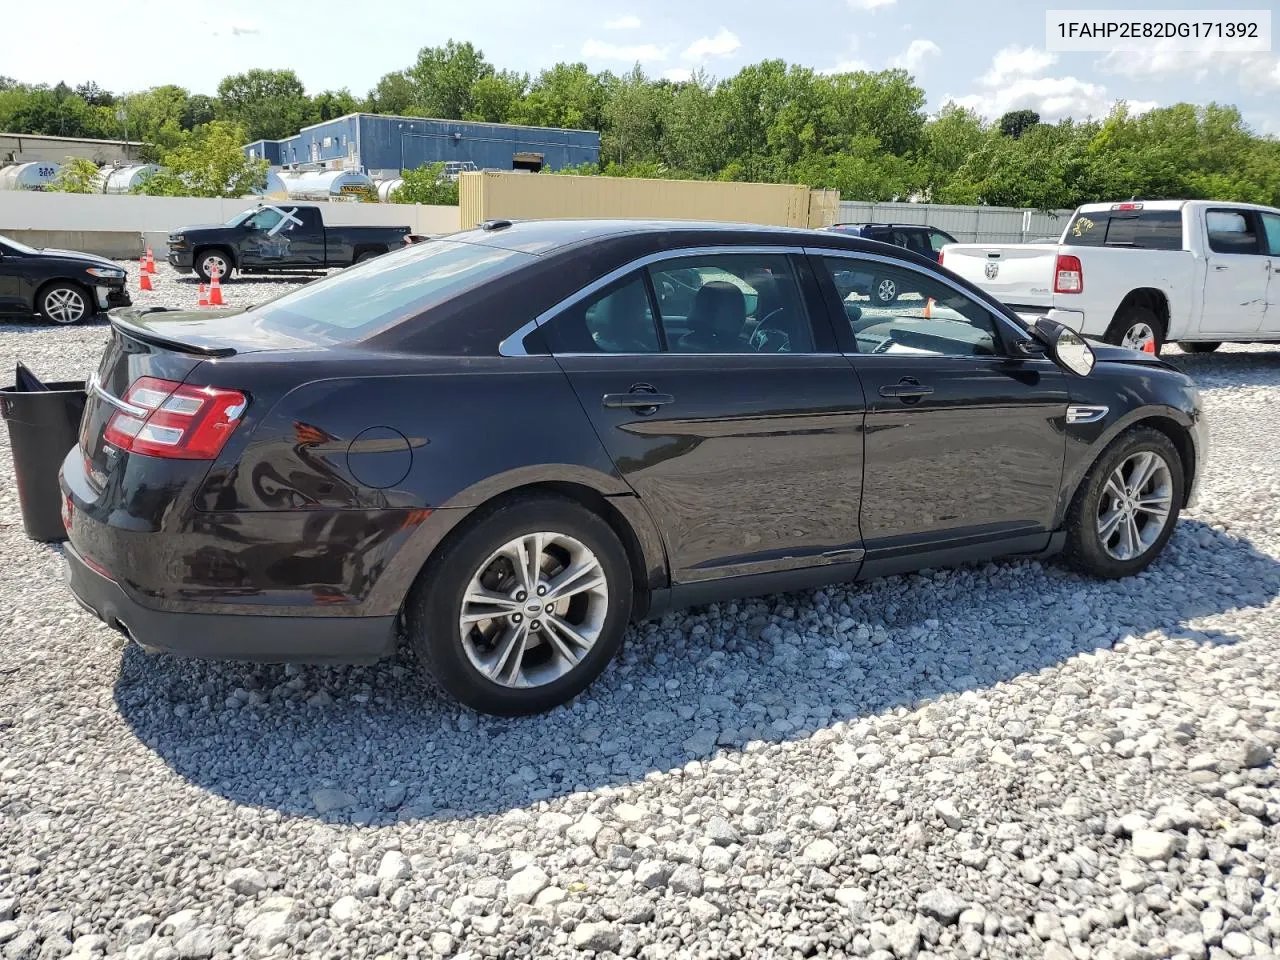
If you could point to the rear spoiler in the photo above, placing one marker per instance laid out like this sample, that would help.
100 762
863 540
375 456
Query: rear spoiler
124 322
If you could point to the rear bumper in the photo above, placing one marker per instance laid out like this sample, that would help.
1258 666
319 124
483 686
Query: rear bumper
262 639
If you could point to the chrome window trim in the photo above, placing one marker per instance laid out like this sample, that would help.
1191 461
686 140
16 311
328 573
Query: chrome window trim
513 345
1010 327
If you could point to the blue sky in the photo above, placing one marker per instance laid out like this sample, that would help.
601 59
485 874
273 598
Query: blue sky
990 55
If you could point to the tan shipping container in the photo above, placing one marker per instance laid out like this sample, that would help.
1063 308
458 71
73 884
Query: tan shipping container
494 195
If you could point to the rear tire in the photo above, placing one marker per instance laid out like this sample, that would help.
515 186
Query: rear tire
368 255
1137 328
1198 347
525 652
1101 541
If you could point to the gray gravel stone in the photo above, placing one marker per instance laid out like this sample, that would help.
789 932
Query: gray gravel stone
597 936
527 884
942 905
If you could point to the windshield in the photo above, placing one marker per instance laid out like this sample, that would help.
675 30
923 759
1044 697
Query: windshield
363 300
17 247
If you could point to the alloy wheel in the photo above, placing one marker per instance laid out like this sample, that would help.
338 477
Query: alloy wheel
1140 336
1135 505
886 291
212 263
533 610
64 305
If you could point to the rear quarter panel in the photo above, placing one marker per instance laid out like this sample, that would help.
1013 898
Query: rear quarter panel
1112 273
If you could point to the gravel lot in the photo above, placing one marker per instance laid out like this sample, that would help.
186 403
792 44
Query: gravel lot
1004 761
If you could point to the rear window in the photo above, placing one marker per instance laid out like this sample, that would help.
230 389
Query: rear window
379 293
1144 229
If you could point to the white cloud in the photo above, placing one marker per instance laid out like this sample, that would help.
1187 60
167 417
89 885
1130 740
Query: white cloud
628 22
1052 97
721 45
1162 63
1013 62
1015 82
677 74
603 50
871 4
914 56
846 66
234 28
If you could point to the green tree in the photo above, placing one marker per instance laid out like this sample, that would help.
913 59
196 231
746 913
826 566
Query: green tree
211 163
443 78
634 113
267 104
1017 122
394 94
567 95
496 98
331 104
427 185
76 175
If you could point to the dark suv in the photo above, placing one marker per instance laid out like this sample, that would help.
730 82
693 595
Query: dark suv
924 240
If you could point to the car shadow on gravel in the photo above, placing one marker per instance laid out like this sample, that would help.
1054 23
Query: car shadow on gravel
374 745
1254 368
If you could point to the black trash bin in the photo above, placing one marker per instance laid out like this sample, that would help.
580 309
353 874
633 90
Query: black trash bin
43 421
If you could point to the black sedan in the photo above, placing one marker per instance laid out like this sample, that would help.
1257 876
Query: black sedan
512 441
60 285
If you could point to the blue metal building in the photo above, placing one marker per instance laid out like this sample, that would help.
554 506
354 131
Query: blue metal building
384 146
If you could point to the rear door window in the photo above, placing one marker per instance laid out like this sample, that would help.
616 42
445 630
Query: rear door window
1141 229
913 240
938 240
1231 231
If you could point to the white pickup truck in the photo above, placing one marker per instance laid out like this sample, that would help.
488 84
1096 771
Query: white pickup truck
1139 274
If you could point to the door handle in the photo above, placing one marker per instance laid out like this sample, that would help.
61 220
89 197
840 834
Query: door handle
1221 266
643 398
908 388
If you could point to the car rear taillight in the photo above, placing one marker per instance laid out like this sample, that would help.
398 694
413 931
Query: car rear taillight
179 422
940 256
1068 275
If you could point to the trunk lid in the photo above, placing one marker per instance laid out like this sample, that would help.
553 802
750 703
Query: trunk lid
1020 275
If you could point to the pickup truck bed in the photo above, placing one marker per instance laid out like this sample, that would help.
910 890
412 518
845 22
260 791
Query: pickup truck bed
1141 274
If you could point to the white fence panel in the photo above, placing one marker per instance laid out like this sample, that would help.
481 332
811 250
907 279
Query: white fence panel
968 224
29 210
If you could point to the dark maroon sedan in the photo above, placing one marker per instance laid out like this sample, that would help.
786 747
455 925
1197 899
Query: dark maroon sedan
516 439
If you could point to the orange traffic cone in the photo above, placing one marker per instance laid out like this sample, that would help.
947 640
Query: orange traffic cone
215 290
151 261
928 308
144 281
204 296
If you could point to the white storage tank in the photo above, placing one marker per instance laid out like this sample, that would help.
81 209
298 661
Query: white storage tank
327 185
125 179
387 187
28 176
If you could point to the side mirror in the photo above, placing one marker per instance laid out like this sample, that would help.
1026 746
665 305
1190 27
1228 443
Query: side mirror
1068 348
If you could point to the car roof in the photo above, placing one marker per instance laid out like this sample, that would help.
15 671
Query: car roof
541 237
895 226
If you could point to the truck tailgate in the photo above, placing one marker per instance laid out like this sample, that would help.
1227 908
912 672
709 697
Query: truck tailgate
1020 275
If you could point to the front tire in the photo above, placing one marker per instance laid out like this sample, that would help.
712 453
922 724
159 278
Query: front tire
1126 508
1202 346
524 609
1137 328
64 304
